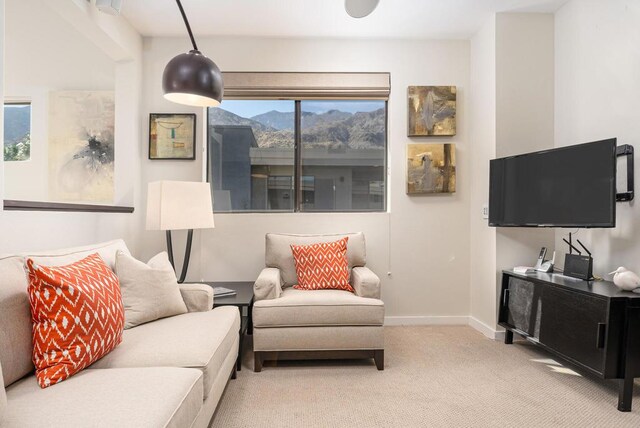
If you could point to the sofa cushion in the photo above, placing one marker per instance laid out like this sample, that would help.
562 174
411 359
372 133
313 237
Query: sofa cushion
149 290
15 322
278 251
3 398
77 316
106 250
199 340
142 397
317 308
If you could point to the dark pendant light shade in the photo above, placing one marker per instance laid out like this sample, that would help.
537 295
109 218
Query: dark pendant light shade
191 78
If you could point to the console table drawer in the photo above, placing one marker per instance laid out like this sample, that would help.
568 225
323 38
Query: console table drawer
575 325
524 307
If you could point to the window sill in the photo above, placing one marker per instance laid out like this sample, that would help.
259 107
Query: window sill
11 205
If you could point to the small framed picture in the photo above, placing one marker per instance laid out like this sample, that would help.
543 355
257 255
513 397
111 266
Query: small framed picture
172 136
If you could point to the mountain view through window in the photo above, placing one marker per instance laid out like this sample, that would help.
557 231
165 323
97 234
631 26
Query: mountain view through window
252 155
17 132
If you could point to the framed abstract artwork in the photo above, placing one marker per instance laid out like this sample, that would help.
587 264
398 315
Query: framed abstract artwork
431 168
172 136
431 111
81 146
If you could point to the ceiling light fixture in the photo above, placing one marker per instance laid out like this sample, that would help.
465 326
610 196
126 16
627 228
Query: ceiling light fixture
191 78
360 8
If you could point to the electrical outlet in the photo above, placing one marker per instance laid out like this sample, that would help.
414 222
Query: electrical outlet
485 211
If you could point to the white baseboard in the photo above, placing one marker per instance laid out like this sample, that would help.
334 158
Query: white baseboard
427 320
485 329
446 320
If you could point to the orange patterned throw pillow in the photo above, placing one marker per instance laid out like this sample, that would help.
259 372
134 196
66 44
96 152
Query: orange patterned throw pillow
322 266
77 316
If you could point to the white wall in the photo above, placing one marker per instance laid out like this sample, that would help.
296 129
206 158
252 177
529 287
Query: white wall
524 116
20 231
423 241
512 112
37 65
483 140
597 64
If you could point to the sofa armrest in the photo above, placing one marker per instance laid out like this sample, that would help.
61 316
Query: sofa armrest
3 398
365 282
197 297
268 285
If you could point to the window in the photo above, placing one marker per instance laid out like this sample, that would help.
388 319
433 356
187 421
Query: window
298 155
17 132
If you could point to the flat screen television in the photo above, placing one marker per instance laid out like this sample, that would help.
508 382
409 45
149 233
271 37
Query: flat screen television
573 186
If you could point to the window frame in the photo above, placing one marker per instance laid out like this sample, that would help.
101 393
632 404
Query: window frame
297 160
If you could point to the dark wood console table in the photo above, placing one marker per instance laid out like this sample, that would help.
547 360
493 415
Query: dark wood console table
591 324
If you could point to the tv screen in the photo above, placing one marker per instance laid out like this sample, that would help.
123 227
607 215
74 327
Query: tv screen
572 186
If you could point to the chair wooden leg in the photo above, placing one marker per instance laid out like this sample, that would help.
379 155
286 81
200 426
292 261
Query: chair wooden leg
257 362
378 357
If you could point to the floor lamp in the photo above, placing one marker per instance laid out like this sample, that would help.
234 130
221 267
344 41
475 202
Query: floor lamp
179 205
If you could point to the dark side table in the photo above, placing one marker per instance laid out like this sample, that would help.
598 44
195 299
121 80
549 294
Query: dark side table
242 299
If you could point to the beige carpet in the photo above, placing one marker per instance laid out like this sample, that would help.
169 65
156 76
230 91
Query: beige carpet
440 376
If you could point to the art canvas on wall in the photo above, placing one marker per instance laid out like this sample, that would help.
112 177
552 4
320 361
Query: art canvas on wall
81 146
432 110
431 168
172 136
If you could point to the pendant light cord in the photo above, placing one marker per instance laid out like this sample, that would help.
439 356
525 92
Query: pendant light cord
186 23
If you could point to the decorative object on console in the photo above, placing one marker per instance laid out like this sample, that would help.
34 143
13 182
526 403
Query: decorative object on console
322 266
172 136
150 290
81 146
431 168
360 8
577 265
191 78
626 280
176 205
77 316
431 110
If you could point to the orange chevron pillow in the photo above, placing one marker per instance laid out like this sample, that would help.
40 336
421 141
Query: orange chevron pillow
322 266
77 316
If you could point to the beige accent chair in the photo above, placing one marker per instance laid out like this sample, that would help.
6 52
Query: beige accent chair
306 324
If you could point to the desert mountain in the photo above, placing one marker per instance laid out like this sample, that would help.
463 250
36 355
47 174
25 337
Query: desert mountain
334 129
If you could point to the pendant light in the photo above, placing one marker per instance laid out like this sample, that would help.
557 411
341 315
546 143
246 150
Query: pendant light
360 8
191 78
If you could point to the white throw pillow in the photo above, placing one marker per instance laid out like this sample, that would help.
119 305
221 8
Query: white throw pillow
149 291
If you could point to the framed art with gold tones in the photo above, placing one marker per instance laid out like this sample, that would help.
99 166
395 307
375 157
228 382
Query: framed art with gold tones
431 111
431 168
172 136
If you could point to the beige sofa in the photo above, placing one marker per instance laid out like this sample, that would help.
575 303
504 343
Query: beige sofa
166 373
300 324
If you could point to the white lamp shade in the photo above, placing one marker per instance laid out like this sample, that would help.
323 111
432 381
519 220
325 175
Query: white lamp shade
175 205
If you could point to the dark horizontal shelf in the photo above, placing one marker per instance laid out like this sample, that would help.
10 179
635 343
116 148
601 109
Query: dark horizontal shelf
604 289
12 205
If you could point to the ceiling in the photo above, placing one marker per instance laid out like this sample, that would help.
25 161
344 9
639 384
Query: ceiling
410 19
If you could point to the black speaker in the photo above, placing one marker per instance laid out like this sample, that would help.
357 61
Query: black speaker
578 266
